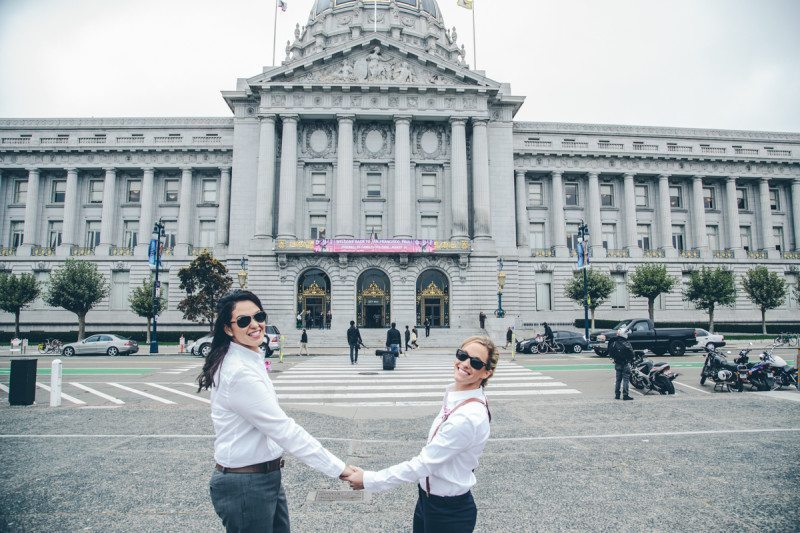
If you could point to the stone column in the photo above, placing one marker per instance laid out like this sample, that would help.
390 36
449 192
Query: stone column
699 217
402 178
559 229
265 186
146 218
796 213
630 217
109 213
224 209
459 195
665 217
593 218
344 179
481 187
732 219
765 216
31 228
523 224
288 178
70 214
185 213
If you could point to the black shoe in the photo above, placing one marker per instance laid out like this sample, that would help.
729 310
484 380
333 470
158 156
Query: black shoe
626 397
616 396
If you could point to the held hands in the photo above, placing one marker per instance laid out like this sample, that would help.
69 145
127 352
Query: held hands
354 476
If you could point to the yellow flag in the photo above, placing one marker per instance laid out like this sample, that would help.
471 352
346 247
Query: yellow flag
465 4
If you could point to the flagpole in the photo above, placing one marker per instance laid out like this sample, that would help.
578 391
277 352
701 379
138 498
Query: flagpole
274 32
474 43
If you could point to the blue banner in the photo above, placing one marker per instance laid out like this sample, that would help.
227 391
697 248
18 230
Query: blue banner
152 252
580 255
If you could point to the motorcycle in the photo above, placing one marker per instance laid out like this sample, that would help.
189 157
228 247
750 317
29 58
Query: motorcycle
724 373
649 376
757 375
784 374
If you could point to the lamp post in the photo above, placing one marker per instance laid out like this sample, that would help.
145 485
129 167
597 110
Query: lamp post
242 274
155 260
501 282
583 262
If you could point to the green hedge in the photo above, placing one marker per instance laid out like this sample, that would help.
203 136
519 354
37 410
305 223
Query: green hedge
35 337
719 327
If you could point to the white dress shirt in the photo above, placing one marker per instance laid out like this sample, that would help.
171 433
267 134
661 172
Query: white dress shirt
250 426
450 457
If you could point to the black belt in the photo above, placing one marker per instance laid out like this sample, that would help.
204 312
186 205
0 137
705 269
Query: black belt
260 468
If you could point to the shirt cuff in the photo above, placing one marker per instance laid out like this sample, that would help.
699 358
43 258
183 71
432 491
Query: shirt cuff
336 468
370 483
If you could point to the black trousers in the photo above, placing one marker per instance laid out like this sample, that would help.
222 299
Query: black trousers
250 503
445 514
623 375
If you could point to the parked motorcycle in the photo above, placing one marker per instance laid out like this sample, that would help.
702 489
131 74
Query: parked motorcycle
649 376
724 373
757 375
784 375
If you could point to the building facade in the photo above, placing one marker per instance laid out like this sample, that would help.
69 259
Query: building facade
374 176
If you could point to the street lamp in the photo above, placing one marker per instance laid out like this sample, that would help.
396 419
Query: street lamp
155 260
242 275
583 262
501 282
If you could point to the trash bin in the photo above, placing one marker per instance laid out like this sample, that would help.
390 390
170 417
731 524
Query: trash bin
22 382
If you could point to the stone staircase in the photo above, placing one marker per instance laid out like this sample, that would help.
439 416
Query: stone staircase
375 338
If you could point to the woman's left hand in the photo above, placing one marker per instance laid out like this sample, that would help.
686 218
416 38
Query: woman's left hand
356 479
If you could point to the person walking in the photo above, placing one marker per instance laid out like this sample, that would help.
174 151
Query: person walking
509 334
621 351
407 337
354 341
304 343
482 319
251 430
427 325
393 341
328 319
414 338
299 320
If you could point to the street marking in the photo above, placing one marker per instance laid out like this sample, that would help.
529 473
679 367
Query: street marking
181 393
3 387
436 394
279 388
141 393
97 392
690 387
371 379
167 372
89 371
63 395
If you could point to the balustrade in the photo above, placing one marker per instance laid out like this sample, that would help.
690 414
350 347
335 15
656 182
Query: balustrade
131 140
543 252
16 140
723 254
756 254
653 253
538 144
610 146
712 150
91 140
120 250
690 254
574 144
745 151
194 251
616 252
790 255
6 251
81 250
54 140
645 148
679 149
168 140
786 153
207 139
41 251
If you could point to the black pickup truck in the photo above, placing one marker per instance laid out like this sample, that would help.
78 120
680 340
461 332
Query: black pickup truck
644 336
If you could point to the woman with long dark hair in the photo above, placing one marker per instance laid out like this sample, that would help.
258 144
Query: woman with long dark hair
252 431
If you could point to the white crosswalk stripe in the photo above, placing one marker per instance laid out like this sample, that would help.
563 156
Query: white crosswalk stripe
142 393
180 393
97 393
63 395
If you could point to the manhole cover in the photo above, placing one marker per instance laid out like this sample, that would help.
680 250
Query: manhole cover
367 373
338 496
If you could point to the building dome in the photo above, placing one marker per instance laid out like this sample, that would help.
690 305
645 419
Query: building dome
418 6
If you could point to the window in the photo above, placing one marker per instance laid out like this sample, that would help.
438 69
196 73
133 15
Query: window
134 194
58 192
535 193
675 196
572 237
42 278
92 234
429 185
318 184
209 191
774 200
54 229
374 226
544 283
777 235
643 237
96 191
170 231
678 238
709 198
747 237
171 188
619 298
642 196
685 285
20 191
609 235
373 185
537 235
606 195
130 233
208 233
741 199
791 286
571 194
17 234
712 233
428 226
120 283
165 293
318 224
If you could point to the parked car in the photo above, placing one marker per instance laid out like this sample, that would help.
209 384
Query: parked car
573 342
643 335
272 342
104 343
707 341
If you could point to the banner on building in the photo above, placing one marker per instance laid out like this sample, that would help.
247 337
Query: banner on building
374 246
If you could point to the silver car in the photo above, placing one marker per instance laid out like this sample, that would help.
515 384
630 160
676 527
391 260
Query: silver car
104 343
272 342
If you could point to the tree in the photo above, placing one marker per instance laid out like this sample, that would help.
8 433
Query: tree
205 281
709 288
141 300
600 287
16 292
77 287
766 289
650 281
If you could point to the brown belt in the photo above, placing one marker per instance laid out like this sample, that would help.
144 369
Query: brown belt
260 468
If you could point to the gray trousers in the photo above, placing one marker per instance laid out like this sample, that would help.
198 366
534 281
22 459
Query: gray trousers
250 502
624 376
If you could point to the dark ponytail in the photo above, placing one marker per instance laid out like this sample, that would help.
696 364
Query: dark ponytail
222 341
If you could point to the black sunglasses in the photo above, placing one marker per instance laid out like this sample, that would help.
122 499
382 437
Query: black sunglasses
244 321
474 362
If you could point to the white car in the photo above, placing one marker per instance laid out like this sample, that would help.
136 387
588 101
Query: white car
272 342
707 341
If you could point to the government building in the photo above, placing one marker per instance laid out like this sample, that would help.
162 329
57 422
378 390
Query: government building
373 176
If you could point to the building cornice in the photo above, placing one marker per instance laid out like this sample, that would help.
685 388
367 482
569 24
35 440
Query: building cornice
116 122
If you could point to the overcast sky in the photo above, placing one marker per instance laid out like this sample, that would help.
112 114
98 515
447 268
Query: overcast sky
731 64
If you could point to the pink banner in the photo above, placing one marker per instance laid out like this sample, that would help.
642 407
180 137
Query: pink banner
374 246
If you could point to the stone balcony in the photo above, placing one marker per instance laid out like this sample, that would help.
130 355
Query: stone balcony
723 254
6 251
689 254
757 254
790 255
620 253
78 251
653 253
543 252
120 250
42 251
195 251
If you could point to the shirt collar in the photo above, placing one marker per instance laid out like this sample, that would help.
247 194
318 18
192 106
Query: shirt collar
244 352
454 396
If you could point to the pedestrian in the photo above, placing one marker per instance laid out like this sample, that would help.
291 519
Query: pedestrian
251 430
444 469
407 337
328 319
482 319
427 325
621 351
354 341
509 334
308 323
513 345
393 339
414 338
321 320
304 343
299 320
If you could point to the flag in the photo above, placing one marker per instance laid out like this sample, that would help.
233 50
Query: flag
467 4
282 5
580 255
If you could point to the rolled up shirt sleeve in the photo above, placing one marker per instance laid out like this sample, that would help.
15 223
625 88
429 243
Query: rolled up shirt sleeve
256 402
455 435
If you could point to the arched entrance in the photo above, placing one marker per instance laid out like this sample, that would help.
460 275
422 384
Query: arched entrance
433 298
373 295
313 299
